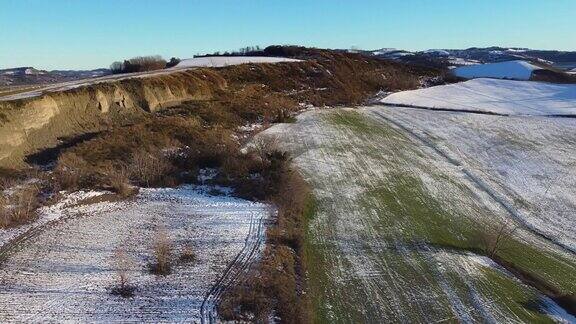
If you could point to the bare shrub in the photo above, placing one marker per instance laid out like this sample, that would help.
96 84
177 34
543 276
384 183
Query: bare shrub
187 254
263 146
495 240
123 263
71 171
20 207
162 253
119 182
149 169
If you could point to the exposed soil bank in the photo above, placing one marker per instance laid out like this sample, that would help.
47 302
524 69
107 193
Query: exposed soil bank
325 78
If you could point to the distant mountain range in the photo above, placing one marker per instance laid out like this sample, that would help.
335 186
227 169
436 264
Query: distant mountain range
29 75
457 57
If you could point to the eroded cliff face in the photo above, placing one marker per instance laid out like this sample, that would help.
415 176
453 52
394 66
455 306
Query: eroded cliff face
30 124
324 78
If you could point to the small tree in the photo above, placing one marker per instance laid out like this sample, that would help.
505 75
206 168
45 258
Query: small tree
495 241
173 62
117 67
123 264
162 253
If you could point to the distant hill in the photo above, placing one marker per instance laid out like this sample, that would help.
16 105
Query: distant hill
30 76
562 60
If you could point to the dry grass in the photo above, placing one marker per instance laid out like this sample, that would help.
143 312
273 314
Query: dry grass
187 255
162 254
19 207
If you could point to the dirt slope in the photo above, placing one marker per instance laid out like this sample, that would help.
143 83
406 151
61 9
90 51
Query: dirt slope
29 124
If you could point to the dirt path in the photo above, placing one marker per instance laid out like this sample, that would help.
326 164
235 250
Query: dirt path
394 222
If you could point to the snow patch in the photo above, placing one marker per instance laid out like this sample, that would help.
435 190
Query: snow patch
220 61
516 70
496 96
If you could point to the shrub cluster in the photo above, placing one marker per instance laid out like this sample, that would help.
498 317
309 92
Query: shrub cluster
139 64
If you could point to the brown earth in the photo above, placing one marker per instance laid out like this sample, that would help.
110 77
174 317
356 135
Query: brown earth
252 91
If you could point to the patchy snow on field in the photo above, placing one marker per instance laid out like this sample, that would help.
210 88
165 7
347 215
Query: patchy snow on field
47 214
529 161
516 70
495 96
220 61
366 172
65 272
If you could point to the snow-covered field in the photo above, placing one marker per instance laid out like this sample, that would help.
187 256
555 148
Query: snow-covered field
220 61
516 70
64 272
394 208
495 96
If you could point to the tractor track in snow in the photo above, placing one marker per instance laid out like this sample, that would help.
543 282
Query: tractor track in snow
234 271
477 181
16 243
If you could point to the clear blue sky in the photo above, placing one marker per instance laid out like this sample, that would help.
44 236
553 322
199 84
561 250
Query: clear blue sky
82 34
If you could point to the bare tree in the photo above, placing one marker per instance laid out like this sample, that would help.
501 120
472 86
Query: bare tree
495 241
123 264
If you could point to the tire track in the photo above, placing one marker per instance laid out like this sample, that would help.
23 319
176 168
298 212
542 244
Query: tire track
239 266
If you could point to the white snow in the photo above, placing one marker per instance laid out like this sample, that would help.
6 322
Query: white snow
384 51
66 271
492 95
220 61
462 61
516 70
47 214
437 52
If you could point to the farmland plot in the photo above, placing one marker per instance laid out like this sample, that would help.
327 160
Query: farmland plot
398 223
66 271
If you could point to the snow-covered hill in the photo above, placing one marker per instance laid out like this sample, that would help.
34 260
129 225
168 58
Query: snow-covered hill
458 57
515 70
494 96
29 76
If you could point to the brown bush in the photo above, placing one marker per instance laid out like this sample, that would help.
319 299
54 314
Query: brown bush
119 182
71 171
20 207
149 169
187 254
162 254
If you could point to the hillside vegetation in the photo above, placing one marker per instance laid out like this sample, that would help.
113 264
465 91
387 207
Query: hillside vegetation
238 94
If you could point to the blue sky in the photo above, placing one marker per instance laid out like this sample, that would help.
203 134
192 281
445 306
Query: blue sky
82 34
